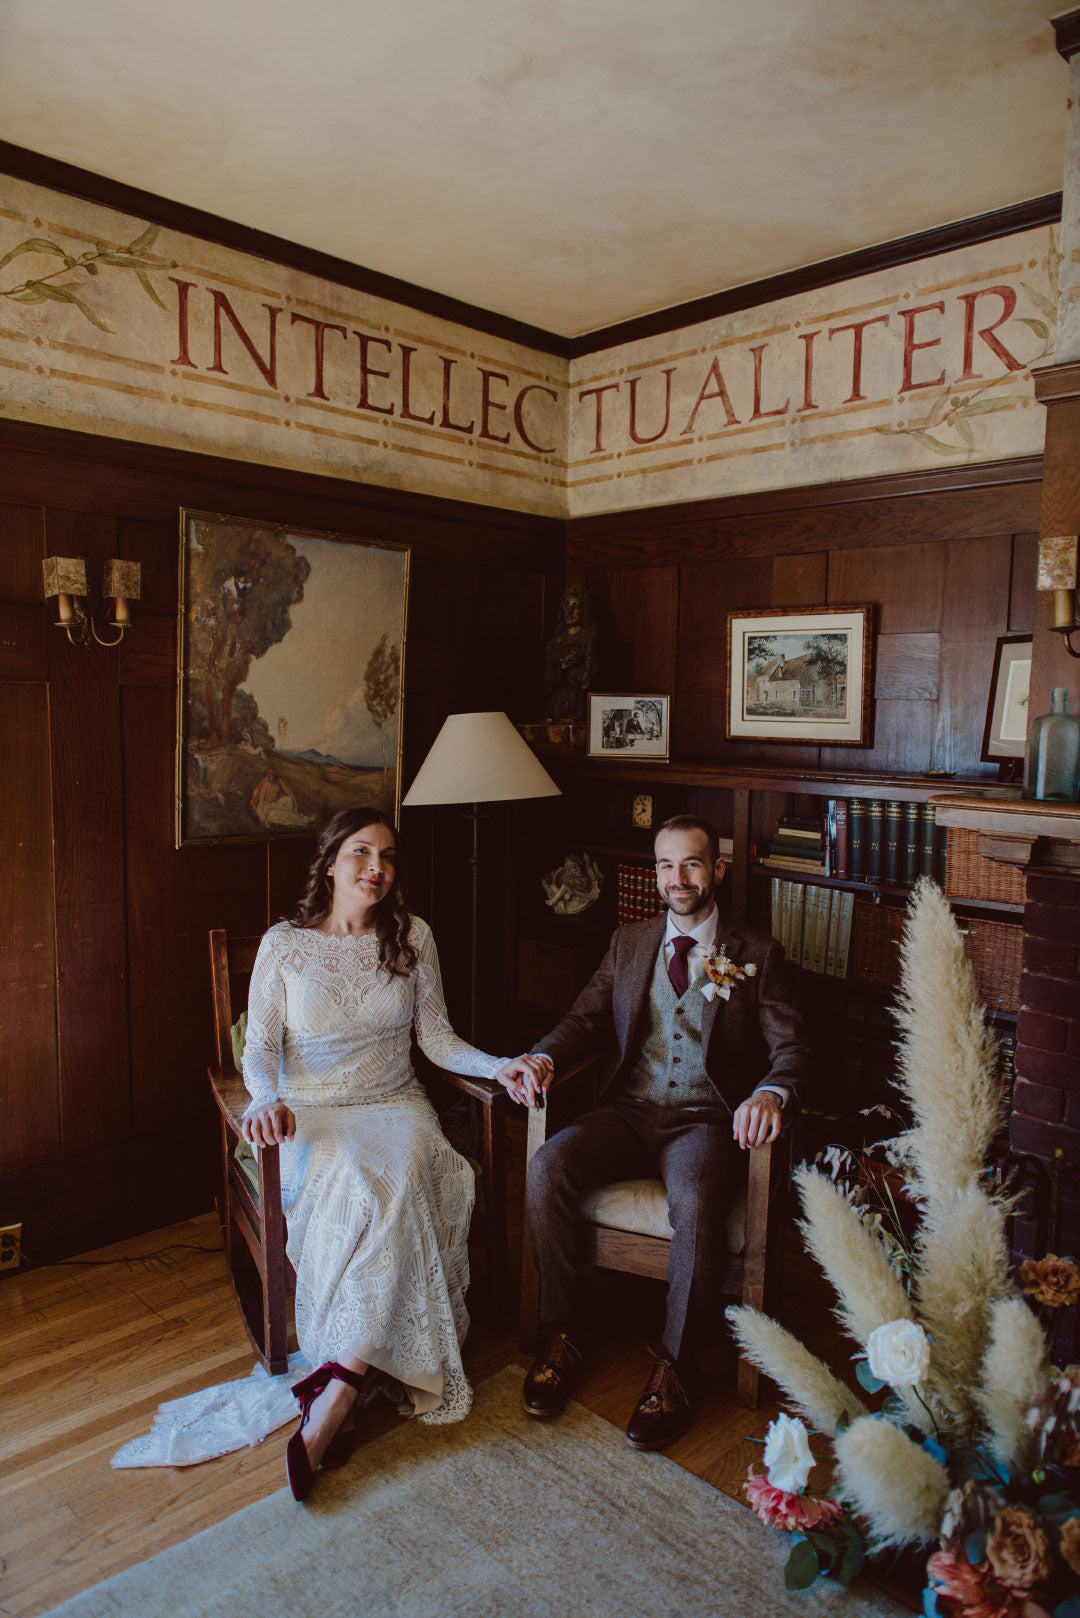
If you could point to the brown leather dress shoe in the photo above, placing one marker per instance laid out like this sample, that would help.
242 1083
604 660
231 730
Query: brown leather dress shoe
664 1411
553 1376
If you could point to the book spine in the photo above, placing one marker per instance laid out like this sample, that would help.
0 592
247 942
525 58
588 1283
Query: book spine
912 843
843 936
775 919
894 836
941 856
857 839
875 838
805 909
785 920
842 860
928 841
821 927
835 897
830 837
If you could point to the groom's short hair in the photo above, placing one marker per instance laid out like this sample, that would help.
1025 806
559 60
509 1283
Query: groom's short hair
693 823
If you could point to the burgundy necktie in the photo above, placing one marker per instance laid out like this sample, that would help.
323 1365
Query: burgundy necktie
677 969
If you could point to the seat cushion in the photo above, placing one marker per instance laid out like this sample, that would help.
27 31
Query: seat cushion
641 1206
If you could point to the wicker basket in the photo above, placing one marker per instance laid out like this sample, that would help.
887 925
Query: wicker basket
969 875
993 947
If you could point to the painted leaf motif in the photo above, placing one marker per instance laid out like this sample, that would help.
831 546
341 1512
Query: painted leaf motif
148 287
147 239
1001 401
94 319
965 429
1040 300
37 244
126 261
31 295
1039 327
936 444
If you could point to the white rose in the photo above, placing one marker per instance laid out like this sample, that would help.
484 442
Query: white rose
898 1353
750 969
788 1460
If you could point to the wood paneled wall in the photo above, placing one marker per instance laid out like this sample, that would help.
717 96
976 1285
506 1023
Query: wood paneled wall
105 1125
947 559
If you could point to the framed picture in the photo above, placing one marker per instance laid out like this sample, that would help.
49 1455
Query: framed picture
291 660
628 726
800 674
1005 733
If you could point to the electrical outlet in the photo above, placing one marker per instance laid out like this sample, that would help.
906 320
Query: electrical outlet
10 1247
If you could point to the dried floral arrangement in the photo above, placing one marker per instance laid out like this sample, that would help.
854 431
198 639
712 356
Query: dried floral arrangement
969 1451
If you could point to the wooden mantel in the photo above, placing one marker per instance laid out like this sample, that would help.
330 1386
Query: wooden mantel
1009 826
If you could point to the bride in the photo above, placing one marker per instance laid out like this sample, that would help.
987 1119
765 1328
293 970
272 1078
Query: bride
377 1201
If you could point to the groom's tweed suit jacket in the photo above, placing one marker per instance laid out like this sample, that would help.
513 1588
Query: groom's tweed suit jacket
755 1036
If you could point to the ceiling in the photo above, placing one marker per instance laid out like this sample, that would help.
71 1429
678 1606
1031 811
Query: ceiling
570 163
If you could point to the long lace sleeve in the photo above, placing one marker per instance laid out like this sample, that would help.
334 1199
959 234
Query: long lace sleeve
265 1025
437 1039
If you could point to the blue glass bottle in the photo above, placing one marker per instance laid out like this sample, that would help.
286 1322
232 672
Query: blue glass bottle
1055 751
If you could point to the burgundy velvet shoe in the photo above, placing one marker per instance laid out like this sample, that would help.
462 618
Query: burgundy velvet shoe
298 1467
665 1409
552 1377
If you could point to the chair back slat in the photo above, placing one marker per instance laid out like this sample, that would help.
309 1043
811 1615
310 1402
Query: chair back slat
231 963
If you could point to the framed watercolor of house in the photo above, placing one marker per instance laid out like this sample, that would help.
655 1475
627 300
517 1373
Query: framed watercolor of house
291 661
800 675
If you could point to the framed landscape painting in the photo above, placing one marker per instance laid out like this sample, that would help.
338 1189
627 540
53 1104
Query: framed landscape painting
291 653
800 675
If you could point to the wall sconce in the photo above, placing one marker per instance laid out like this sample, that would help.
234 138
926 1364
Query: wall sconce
65 578
1057 572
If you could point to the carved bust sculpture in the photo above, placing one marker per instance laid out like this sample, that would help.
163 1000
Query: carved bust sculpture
570 657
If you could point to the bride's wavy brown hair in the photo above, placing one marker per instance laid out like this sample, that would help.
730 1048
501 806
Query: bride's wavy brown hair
392 919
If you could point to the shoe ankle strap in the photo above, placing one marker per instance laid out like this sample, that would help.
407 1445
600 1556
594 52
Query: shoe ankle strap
320 1379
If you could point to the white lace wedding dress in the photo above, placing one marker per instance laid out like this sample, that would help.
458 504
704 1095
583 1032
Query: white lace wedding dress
377 1201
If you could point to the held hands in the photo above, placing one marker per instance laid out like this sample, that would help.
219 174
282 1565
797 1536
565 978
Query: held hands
269 1124
526 1079
758 1120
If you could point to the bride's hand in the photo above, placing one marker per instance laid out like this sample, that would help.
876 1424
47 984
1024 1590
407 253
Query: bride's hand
526 1079
269 1124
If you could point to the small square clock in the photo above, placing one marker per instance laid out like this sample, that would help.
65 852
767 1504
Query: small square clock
642 815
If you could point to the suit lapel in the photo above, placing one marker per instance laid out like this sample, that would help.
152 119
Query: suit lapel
635 979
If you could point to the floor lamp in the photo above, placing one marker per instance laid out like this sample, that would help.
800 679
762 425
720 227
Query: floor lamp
478 758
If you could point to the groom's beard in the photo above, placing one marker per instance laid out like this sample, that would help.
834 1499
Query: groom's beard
684 899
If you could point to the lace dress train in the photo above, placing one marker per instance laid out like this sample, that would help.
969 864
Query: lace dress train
377 1201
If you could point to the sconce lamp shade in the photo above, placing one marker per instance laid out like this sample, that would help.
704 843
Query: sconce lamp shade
123 579
64 576
479 758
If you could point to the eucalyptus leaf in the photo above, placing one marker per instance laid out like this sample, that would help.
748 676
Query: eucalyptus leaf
1057 1505
148 287
1069 1608
964 428
124 261
147 239
865 1375
843 1421
932 1447
1040 300
929 1603
37 244
975 1546
31 295
1039 327
802 1568
852 1562
56 294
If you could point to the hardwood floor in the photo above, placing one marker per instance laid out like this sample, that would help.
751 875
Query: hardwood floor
91 1349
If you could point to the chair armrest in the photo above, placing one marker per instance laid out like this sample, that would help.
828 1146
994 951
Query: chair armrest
230 1095
485 1090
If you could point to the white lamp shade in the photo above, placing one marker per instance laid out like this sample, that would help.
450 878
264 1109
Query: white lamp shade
479 758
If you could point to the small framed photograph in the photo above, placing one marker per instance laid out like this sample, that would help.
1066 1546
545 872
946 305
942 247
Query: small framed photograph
1005 733
628 726
800 674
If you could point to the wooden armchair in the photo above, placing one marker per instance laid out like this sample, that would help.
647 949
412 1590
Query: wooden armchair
249 1207
630 1231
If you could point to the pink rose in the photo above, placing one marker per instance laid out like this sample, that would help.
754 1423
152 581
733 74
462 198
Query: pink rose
1018 1549
971 1591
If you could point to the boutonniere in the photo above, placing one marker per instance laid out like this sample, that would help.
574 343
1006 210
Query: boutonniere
723 975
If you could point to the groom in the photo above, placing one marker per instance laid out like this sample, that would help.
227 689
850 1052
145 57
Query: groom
700 1077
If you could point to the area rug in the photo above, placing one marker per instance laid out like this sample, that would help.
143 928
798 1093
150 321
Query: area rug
498 1516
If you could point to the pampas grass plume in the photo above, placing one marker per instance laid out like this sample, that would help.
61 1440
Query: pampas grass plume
893 1483
1013 1377
947 1064
962 1273
852 1256
821 1397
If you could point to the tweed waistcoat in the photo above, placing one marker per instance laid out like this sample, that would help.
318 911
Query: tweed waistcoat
670 1070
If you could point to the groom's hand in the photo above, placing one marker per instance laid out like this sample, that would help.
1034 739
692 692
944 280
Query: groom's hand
758 1120
526 1079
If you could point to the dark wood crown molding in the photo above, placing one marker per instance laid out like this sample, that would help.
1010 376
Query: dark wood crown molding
827 272
1067 34
23 164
